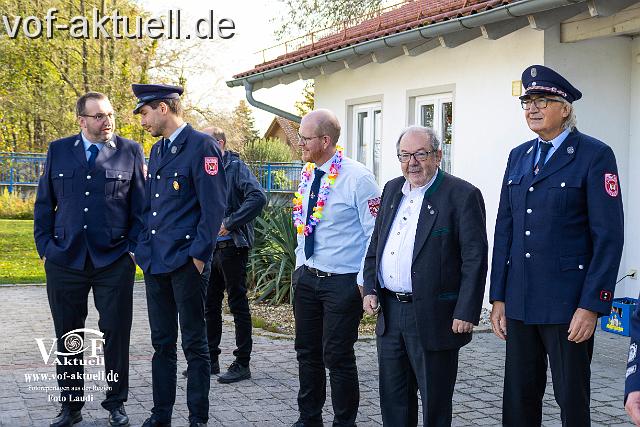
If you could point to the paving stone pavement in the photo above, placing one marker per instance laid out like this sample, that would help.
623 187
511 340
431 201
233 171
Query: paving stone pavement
269 398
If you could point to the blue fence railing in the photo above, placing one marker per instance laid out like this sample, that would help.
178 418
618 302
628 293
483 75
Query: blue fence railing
277 177
20 169
24 169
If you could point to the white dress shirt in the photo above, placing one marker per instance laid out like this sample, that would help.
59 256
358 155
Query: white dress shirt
342 235
397 256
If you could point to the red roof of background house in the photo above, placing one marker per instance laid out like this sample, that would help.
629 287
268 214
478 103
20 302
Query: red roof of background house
413 14
289 128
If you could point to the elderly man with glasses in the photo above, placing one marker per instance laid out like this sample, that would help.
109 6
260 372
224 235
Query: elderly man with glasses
334 213
424 276
557 248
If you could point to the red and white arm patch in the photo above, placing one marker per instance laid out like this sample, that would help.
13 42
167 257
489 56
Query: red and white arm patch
211 165
611 184
374 206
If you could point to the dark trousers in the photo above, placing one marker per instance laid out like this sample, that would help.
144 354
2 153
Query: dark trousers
526 374
175 297
327 312
229 271
68 292
405 367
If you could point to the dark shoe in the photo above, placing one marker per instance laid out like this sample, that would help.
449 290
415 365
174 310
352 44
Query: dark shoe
66 418
215 369
236 373
118 417
150 422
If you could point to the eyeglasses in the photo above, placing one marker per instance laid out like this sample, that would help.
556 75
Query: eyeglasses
100 116
420 156
540 103
305 139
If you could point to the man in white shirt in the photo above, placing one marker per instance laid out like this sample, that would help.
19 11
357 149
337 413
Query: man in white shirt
334 214
425 273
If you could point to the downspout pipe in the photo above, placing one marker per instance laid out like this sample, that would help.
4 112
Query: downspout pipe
248 87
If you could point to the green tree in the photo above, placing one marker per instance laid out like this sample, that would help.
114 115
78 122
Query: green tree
244 123
307 104
305 16
41 78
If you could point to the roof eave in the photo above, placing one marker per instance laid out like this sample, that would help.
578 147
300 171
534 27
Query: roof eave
514 10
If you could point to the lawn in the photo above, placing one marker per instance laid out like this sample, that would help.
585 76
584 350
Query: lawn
19 262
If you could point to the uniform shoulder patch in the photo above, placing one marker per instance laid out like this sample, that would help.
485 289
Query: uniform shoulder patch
633 350
611 184
374 206
211 165
631 370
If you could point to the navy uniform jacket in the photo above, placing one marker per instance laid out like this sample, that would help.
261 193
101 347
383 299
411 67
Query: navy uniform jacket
559 235
186 195
97 211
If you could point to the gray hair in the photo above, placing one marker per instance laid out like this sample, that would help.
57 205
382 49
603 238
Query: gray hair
571 121
428 132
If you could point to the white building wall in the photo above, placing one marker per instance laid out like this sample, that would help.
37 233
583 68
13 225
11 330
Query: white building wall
632 200
601 69
488 120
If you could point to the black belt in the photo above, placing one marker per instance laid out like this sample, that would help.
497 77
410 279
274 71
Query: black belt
225 244
320 273
400 296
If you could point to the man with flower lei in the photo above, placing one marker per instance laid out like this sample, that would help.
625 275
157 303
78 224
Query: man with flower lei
334 213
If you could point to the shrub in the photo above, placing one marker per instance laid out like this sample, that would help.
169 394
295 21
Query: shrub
16 205
272 260
268 150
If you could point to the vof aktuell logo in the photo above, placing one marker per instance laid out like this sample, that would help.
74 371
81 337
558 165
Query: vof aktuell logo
81 347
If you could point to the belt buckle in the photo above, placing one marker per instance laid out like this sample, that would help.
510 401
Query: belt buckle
403 296
322 274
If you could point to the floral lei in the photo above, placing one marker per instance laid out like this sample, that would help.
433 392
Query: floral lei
305 177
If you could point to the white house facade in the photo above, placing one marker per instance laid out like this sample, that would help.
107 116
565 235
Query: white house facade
466 85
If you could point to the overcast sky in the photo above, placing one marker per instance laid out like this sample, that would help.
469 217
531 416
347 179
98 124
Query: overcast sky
221 59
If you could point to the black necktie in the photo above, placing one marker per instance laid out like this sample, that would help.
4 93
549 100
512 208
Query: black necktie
313 198
544 150
165 147
93 149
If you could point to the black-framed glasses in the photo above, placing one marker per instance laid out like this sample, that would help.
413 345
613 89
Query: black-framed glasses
100 116
305 139
540 103
420 156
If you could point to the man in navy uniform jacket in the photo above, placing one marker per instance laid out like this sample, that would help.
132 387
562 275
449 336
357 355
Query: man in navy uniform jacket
557 248
87 217
186 195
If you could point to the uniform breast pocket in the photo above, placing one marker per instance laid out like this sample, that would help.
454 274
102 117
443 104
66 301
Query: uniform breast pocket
117 183
62 183
514 183
565 195
178 183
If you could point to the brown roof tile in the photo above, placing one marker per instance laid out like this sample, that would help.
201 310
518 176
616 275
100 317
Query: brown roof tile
413 14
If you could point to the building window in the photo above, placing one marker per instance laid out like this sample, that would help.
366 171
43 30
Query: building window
367 134
436 111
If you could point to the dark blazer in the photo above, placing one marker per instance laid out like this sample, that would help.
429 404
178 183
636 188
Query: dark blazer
80 210
186 196
449 258
245 200
551 226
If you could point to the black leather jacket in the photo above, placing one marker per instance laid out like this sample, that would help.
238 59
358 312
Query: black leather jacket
245 200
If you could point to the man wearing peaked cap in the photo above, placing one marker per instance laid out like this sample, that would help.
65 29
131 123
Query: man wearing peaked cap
184 207
557 248
148 93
